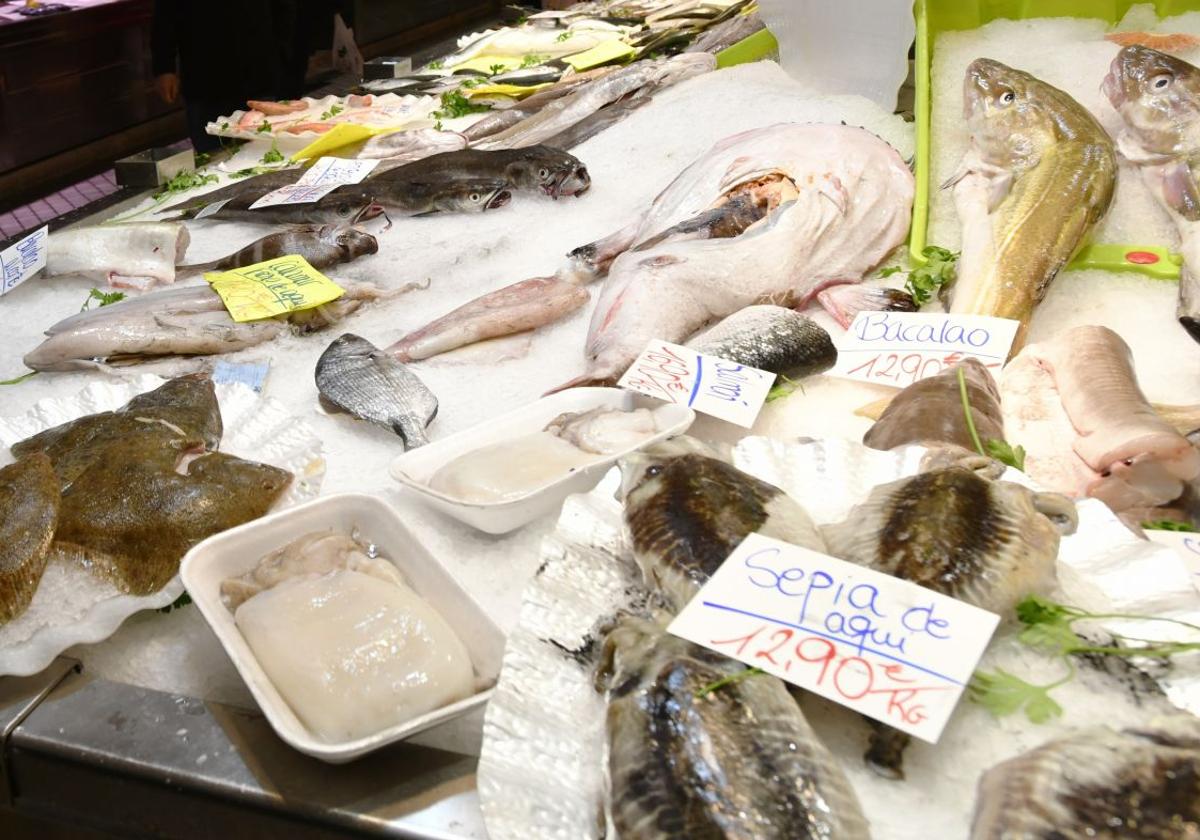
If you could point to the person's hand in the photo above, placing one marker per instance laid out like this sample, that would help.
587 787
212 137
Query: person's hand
167 86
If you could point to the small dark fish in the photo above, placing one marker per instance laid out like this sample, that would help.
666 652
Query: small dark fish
356 376
340 207
589 127
730 219
322 246
533 168
29 497
423 195
770 338
930 411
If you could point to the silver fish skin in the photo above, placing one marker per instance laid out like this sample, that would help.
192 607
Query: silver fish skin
1097 783
356 376
323 246
738 762
770 338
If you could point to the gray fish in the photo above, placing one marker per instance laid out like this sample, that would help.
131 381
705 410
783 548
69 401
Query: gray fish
532 168
771 338
356 376
423 196
989 543
257 185
930 411
740 761
30 499
342 206
1142 782
323 246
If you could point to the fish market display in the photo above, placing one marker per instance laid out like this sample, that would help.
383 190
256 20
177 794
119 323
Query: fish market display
513 469
142 485
1075 405
255 185
531 39
308 117
687 512
356 376
1038 176
839 200
522 306
770 338
931 412
533 168
29 497
352 653
989 543
134 255
323 246
190 321
1158 98
1138 782
738 761
498 121
401 147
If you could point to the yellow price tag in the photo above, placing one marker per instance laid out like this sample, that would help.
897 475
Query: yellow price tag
342 134
603 53
515 91
275 287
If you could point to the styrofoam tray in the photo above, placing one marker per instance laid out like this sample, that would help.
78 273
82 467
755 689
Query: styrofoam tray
238 550
415 468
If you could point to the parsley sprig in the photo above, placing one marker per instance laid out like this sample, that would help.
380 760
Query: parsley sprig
454 104
1167 525
186 180
105 299
1002 451
924 282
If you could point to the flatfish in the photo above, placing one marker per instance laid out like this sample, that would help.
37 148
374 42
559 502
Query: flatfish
29 498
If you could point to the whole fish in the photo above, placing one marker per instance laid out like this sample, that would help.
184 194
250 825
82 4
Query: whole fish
256 185
30 499
522 306
497 121
930 411
342 206
533 168
153 458
839 200
584 101
770 338
1158 98
1038 175
687 761
356 376
401 147
589 127
1097 783
134 255
323 246
989 543
189 321
426 195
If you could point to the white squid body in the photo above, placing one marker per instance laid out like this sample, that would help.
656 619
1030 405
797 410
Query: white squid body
854 206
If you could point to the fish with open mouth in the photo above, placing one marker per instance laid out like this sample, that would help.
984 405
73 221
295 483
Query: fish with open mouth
1158 98
957 532
1038 175
323 246
529 169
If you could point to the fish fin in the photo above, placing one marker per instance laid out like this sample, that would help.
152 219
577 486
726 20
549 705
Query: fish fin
585 381
845 300
1179 190
999 186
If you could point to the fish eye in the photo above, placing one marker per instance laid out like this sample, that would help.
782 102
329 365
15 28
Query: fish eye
474 197
543 173
1161 81
343 209
653 470
1007 98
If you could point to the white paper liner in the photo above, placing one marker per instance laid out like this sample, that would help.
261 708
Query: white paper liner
72 606
541 769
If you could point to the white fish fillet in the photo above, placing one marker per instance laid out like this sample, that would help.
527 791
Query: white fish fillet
135 256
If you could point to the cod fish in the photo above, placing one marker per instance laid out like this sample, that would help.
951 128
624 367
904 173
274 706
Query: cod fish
339 207
1039 174
930 412
1158 98
422 197
356 376
323 246
770 338
687 512
30 498
989 543
522 306
1074 404
132 256
140 485
838 200
1097 784
256 186
530 169
738 762
188 321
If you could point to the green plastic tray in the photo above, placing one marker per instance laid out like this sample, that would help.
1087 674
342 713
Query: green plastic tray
760 45
934 16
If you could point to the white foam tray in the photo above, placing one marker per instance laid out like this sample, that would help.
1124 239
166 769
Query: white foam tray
238 550
415 468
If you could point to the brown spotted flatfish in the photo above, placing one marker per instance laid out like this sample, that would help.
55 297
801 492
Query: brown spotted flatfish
29 498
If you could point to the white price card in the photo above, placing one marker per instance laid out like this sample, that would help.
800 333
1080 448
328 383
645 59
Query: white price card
21 261
884 647
209 209
1186 545
899 348
708 384
335 170
294 194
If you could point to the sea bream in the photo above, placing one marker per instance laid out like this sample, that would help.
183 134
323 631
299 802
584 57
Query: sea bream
1038 175
1158 98
837 199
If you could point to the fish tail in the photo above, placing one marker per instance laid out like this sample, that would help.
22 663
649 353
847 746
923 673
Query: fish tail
843 302
585 381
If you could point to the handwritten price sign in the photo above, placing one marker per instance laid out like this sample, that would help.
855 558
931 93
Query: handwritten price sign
709 384
23 260
275 287
333 170
1186 545
899 348
294 194
887 648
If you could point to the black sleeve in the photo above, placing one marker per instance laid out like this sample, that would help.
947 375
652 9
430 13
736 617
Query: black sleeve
164 37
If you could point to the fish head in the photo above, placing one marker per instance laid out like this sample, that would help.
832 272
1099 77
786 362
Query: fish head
551 170
344 207
472 196
1009 113
1158 98
354 243
646 472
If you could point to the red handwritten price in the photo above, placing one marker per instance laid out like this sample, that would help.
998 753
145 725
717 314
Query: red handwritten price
661 373
906 368
852 677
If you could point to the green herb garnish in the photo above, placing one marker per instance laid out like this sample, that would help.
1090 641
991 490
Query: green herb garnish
724 681
454 104
1002 451
783 388
17 379
202 158
105 299
262 129
1167 525
225 126
1002 693
273 155
495 68
186 180
333 111
533 60
182 601
564 36
436 65
924 282
437 125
